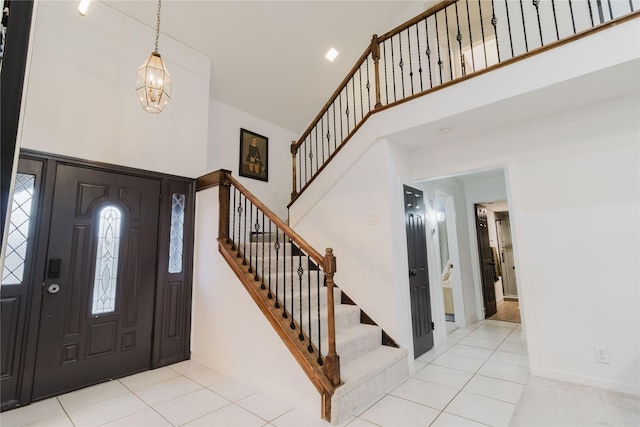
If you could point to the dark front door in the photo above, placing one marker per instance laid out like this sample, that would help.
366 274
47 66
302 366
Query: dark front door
98 292
486 262
415 218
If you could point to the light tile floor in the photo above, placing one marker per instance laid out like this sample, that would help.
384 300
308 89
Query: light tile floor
475 378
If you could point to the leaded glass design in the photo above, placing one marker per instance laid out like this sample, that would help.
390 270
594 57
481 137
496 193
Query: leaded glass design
177 232
106 278
16 253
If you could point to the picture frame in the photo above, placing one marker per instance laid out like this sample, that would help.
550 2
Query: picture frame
254 156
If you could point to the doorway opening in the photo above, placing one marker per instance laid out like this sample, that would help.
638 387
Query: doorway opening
496 258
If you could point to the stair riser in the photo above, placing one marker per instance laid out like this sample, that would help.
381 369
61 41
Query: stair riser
305 299
356 346
343 320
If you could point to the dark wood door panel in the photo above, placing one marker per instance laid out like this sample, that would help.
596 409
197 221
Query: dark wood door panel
98 324
415 224
486 262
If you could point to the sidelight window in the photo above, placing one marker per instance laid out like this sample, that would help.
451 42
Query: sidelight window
16 254
107 254
176 240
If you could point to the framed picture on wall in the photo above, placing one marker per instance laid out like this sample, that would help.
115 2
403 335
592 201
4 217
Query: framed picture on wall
254 155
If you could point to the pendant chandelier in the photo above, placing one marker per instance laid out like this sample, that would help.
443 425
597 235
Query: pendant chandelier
153 82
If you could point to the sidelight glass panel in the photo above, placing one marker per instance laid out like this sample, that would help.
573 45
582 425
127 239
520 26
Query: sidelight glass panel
177 233
106 276
16 254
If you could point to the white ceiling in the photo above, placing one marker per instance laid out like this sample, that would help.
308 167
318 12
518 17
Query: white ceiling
267 57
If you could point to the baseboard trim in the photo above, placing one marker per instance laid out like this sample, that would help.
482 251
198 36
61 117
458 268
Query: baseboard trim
589 381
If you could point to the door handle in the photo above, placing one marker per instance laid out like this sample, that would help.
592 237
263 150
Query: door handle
413 272
53 288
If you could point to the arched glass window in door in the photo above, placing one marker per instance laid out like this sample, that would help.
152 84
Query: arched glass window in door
107 254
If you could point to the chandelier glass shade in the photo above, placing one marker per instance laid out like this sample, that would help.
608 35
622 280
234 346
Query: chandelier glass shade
153 84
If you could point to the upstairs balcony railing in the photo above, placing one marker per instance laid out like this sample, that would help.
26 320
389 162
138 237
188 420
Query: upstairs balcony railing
452 41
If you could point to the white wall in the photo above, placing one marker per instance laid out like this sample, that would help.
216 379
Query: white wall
229 332
223 153
81 100
568 175
567 171
362 219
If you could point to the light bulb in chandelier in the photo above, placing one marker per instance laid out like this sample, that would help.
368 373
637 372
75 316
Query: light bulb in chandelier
153 84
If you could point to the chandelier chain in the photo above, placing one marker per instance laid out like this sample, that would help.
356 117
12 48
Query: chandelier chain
158 26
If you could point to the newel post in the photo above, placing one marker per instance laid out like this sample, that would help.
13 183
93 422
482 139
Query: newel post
224 201
294 152
332 360
375 53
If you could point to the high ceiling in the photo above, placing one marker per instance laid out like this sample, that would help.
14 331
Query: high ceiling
267 57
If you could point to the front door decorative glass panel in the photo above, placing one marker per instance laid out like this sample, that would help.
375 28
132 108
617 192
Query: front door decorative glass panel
106 276
18 230
177 233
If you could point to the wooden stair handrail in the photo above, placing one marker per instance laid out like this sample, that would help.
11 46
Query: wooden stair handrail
325 380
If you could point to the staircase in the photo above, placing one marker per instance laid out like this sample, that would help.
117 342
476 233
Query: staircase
368 368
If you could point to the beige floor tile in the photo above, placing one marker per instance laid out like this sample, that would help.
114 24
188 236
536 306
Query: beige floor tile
145 418
229 416
38 411
264 406
482 409
146 379
167 390
425 393
108 410
184 409
498 389
90 395
394 411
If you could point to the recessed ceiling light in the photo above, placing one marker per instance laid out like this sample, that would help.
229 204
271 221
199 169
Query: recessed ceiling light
83 7
331 55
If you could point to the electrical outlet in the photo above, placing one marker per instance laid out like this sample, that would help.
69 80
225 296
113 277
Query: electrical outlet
602 354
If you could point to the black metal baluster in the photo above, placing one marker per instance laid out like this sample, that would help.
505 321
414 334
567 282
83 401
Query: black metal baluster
555 17
537 6
306 177
249 231
386 84
257 228
494 22
328 134
419 57
310 346
459 38
473 58
484 44
410 60
239 254
233 224
341 125
316 156
573 21
610 9
244 237
264 258
524 28
335 134
361 91
353 91
322 133
428 51
600 12
591 11
446 25
506 5
368 87
438 45
276 246
630 5
393 70
284 277
293 311
269 294
401 64
346 94
300 273
320 361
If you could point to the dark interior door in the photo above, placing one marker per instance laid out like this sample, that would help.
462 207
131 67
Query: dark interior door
98 292
486 262
415 217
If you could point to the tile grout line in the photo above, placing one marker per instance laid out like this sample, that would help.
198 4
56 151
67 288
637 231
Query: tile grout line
473 376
